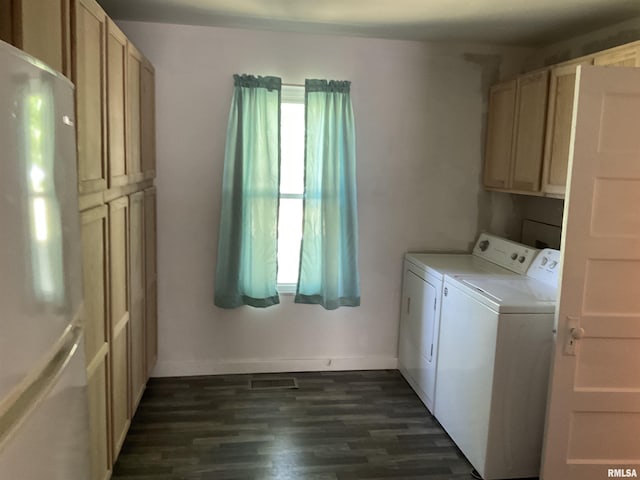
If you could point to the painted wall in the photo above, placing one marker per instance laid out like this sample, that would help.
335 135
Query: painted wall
419 116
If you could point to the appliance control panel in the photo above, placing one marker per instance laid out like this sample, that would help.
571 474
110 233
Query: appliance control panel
505 253
546 267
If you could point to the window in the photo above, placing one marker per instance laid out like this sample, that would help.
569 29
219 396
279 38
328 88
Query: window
292 127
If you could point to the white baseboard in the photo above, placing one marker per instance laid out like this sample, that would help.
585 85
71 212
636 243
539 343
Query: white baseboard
271 365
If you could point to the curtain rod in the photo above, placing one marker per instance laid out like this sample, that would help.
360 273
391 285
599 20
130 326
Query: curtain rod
293 84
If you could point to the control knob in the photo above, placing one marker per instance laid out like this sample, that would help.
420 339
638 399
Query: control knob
514 255
553 264
522 259
484 244
544 261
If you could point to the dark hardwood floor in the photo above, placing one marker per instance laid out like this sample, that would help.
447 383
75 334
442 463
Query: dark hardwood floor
335 426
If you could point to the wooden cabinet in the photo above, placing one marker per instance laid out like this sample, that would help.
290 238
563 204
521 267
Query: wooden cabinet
94 233
148 120
559 115
515 133
116 106
626 56
530 120
89 24
151 278
119 321
513 148
134 67
502 102
137 296
114 85
40 28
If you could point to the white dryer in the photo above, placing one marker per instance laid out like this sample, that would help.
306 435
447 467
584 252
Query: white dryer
421 299
496 337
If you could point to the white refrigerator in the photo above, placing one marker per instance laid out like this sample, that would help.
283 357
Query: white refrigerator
44 426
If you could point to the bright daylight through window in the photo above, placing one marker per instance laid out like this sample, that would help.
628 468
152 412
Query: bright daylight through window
292 127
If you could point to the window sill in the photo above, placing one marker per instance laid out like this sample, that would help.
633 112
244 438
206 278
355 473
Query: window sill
287 289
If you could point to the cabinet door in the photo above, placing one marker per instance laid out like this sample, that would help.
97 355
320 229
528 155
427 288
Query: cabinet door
134 65
619 57
89 25
95 274
500 119
40 28
136 276
559 115
531 112
119 321
6 21
148 119
151 278
98 397
116 108
94 268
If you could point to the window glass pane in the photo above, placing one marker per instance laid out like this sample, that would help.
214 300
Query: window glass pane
292 148
289 237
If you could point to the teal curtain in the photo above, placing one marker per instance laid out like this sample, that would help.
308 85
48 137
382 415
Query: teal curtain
329 253
246 268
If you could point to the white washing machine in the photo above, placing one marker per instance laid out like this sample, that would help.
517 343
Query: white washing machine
496 337
422 295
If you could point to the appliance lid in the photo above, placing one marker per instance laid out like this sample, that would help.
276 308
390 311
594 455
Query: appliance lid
515 294
440 264
546 267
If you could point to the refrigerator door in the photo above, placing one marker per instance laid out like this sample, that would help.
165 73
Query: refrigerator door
40 285
51 440
43 398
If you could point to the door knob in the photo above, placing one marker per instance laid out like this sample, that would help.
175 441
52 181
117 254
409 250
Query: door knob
576 333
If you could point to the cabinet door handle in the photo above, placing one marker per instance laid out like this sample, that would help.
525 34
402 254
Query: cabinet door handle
408 304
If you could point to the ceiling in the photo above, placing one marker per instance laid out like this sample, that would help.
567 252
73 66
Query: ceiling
509 22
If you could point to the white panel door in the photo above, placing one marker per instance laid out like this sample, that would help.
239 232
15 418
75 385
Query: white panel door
593 417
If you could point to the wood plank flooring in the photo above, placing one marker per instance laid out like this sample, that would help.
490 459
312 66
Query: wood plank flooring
335 426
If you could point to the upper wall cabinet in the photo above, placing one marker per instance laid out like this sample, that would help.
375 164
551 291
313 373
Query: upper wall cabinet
556 155
515 133
40 28
116 106
530 119
148 119
626 56
134 67
90 27
502 102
